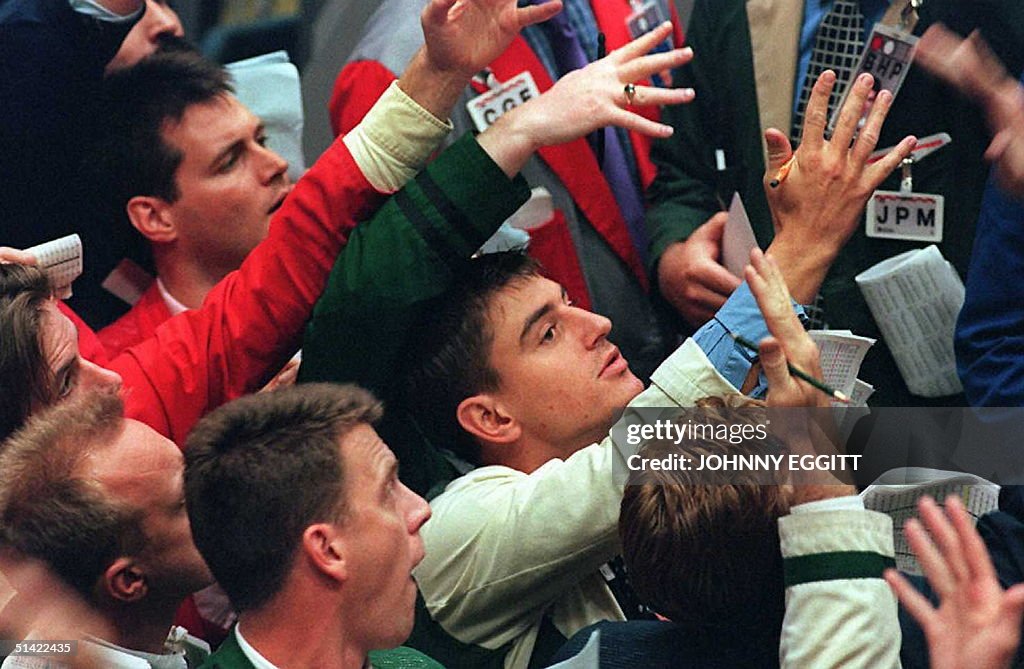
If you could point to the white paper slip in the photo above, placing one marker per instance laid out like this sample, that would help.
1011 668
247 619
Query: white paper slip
61 260
269 86
915 298
738 238
896 492
842 353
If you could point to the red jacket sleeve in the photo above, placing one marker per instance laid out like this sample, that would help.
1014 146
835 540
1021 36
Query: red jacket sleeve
356 89
252 321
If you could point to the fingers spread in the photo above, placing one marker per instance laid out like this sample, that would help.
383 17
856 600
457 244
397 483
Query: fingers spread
912 600
850 114
773 362
436 12
539 13
642 44
978 563
890 161
779 150
637 123
643 67
816 115
867 138
651 95
929 557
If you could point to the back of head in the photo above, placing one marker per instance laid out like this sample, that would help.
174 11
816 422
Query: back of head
129 156
25 377
258 472
449 359
49 509
703 549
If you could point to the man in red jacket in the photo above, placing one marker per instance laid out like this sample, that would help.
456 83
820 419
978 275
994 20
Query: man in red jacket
253 318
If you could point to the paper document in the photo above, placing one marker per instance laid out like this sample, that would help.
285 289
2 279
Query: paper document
896 492
915 298
738 239
842 353
269 86
61 260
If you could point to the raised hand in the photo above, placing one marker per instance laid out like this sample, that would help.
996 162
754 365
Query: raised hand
789 343
461 37
970 66
977 623
587 99
464 36
820 191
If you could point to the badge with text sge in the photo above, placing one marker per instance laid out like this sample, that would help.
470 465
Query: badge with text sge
487 108
908 216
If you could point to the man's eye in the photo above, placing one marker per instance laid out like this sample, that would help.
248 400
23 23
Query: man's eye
262 140
229 163
549 334
67 384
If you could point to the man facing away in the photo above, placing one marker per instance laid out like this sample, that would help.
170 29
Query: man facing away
98 499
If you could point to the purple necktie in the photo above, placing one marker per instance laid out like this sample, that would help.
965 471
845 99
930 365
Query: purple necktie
569 55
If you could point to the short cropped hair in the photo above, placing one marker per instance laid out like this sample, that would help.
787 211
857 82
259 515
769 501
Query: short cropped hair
26 380
450 357
130 157
259 471
49 509
706 554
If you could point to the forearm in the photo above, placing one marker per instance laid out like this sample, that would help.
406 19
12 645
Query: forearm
804 265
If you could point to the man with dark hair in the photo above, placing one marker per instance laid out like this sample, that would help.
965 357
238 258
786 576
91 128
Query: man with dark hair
296 504
53 56
182 161
753 568
98 499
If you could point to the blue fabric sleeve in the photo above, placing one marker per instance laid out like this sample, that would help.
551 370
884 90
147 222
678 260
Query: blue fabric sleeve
741 316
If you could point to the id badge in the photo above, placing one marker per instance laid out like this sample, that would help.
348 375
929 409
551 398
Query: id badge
887 57
487 108
912 217
646 16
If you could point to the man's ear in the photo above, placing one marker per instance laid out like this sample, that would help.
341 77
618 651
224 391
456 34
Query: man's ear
151 216
325 549
125 580
487 419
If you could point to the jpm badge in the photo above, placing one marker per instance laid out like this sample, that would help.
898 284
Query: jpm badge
905 214
487 108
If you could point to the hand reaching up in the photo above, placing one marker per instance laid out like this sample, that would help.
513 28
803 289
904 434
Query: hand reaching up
977 623
587 99
821 189
970 66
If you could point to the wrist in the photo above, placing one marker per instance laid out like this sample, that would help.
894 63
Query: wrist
803 266
433 88
509 142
